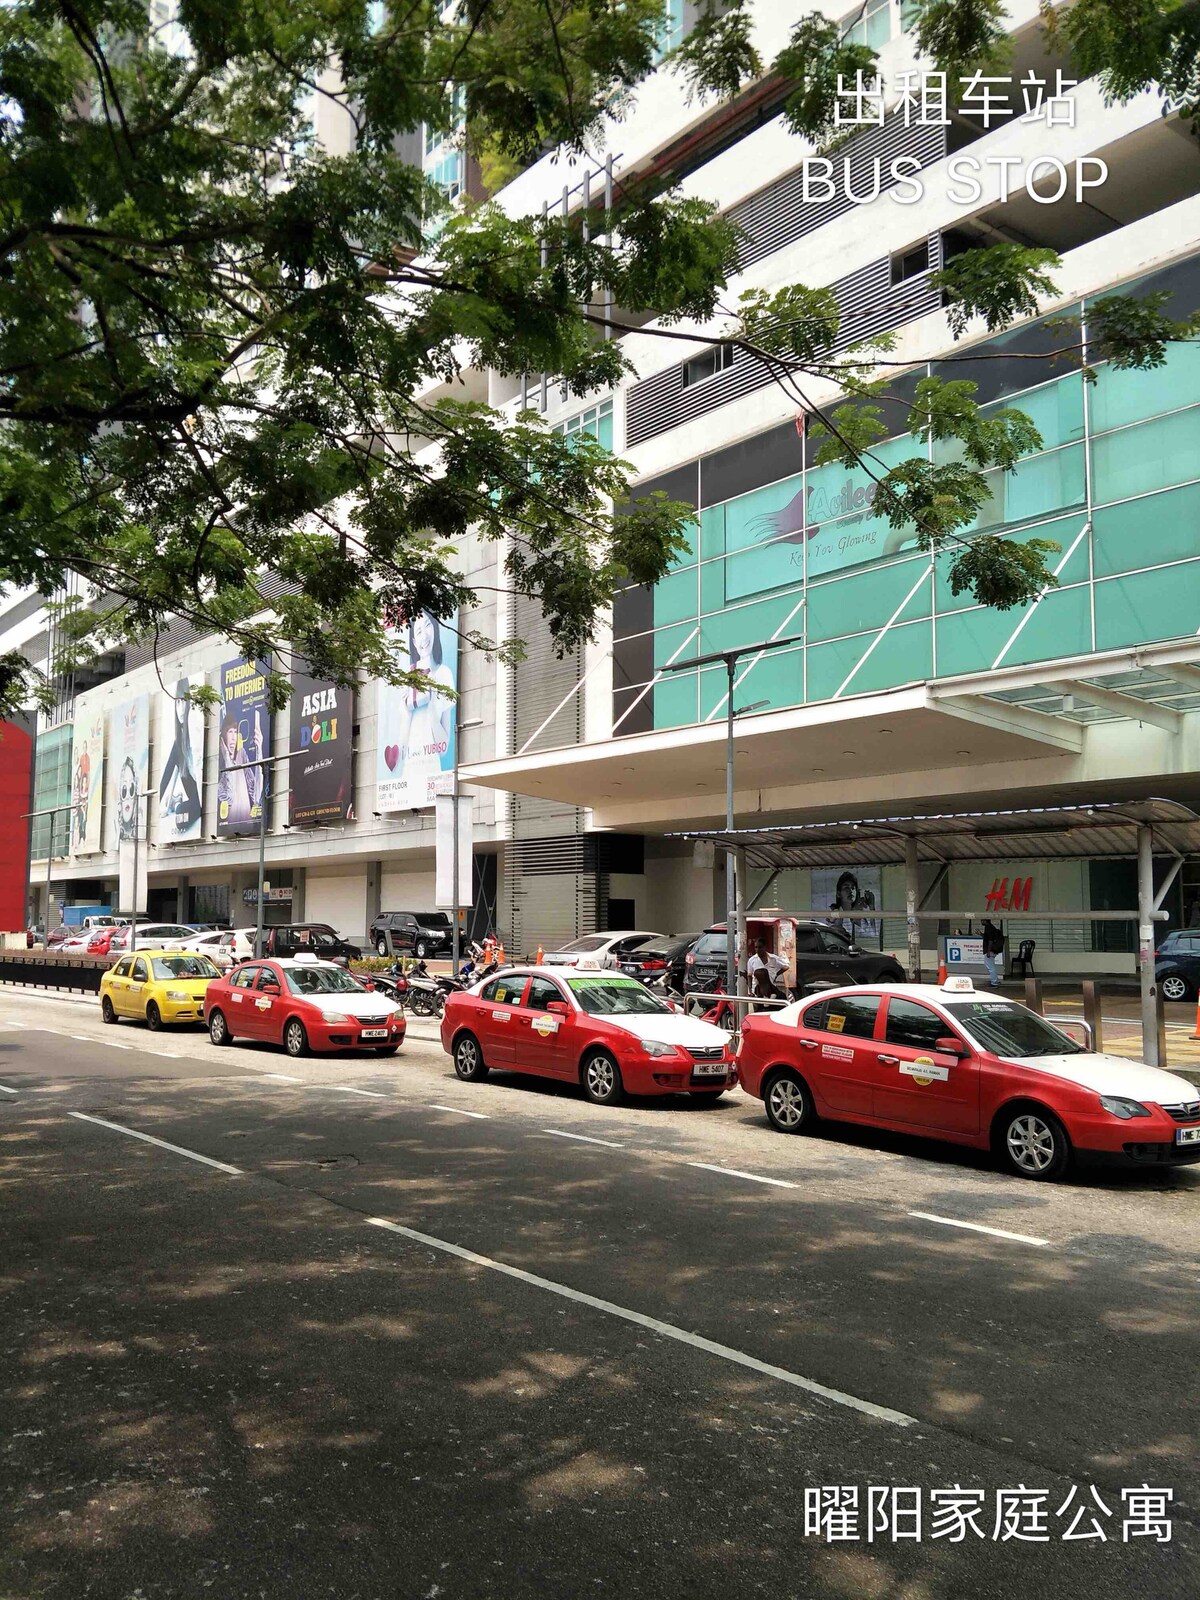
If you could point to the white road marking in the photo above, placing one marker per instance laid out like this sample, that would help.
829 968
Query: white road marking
111 1046
667 1329
192 1155
4 1089
753 1177
583 1138
342 1088
279 1077
977 1227
484 1116
84 1038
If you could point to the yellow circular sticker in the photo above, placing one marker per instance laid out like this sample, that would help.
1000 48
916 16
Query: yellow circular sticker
545 1026
923 1061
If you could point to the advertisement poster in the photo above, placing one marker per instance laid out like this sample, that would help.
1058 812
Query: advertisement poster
415 729
128 768
87 775
857 890
180 750
322 774
244 741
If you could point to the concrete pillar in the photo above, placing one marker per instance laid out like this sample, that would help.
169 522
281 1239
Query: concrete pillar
738 861
1150 1030
298 884
181 900
912 888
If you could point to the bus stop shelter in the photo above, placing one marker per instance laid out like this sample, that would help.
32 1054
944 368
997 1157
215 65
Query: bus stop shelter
1139 829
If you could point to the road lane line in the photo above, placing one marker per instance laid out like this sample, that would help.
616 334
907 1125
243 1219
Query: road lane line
752 1177
667 1329
192 1155
4 1089
343 1088
978 1227
279 1077
83 1038
484 1116
583 1138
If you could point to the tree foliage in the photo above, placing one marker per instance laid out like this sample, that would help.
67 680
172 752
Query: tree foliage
227 350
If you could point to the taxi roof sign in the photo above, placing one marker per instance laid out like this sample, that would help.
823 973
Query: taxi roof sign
959 984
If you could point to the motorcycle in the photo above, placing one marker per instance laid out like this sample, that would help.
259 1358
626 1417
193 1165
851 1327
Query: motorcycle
425 996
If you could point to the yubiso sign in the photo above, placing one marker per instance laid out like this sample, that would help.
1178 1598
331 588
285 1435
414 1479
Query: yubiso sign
322 731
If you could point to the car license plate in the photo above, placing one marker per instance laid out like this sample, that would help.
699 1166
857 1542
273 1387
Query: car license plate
374 1033
709 1069
1187 1135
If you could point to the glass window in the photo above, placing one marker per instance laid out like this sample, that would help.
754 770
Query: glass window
244 977
121 970
852 1015
540 993
1147 532
912 1024
314 980
1011 1030
1146 605
1150 456
870 24
268 980
814 1016
184 967
1123 396
140 973
707 364
709 946
616 997
807 942
505 990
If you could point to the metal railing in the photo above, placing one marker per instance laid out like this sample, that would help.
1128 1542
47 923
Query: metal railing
41 971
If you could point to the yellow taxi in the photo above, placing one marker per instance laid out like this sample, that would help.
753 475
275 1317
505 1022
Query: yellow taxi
157 987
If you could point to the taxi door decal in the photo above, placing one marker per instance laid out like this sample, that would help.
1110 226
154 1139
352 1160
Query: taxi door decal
925 1070
545 1025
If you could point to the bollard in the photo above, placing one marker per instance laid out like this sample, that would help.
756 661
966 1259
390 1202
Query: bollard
1033 995
1092 1013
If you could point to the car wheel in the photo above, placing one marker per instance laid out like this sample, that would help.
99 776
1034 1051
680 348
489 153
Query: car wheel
468 1059
295 1040
1175 987
106 1010
1034 1143
381 946
601 1079
788 1103
218 1029
728 1020
420 950
153 1017
439 1003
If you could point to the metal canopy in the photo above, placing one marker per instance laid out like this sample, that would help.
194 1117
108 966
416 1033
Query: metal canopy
1051 833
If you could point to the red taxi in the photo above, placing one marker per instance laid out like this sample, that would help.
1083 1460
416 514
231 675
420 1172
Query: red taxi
303 1004
972 1068
601 1030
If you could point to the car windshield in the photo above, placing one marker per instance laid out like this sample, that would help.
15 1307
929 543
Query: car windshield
432 919
184 967
615 997
590 941
1011 1030
321 980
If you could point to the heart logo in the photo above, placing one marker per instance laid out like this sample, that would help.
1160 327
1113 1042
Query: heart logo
391 755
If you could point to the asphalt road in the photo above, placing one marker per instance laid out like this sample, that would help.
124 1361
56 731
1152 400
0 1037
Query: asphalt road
409 1337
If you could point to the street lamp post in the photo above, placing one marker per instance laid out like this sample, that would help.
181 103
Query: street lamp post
730 659
456 944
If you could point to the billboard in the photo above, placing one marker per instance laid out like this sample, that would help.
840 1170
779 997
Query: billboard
244 741
87 776
859 890
128 768
415 729
180 748
322 774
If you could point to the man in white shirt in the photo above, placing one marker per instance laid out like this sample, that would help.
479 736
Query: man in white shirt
764 970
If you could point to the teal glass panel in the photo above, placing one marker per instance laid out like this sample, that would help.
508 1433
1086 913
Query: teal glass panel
669 641
712 587
970 640
771 566
1039 485
902 655
777 678
1148 531
1119 397
1063 531
1151 456
1148 605
687 556
712 531
675 598
1061 625
1055 409
868 599
675 700
752 624
604 429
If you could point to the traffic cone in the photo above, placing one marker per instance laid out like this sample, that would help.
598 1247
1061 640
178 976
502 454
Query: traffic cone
941 972
500 952
541 955
1196 1035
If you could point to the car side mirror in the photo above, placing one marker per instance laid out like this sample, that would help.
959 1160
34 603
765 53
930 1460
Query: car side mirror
559 1008
952 1047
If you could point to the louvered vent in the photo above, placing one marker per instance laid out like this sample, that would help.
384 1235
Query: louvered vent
552 892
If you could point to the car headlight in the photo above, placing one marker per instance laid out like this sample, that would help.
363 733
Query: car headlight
336 1016
178 994
1120 1107
655 1047
397 1016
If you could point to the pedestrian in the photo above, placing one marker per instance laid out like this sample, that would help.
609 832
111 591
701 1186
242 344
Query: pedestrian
763 969
993 946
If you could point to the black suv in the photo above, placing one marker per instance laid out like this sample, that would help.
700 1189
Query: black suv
308 938
418 933
1177 964
824 954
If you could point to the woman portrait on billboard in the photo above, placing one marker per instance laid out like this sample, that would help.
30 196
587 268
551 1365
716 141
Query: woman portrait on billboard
240 778
179 786
426 727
